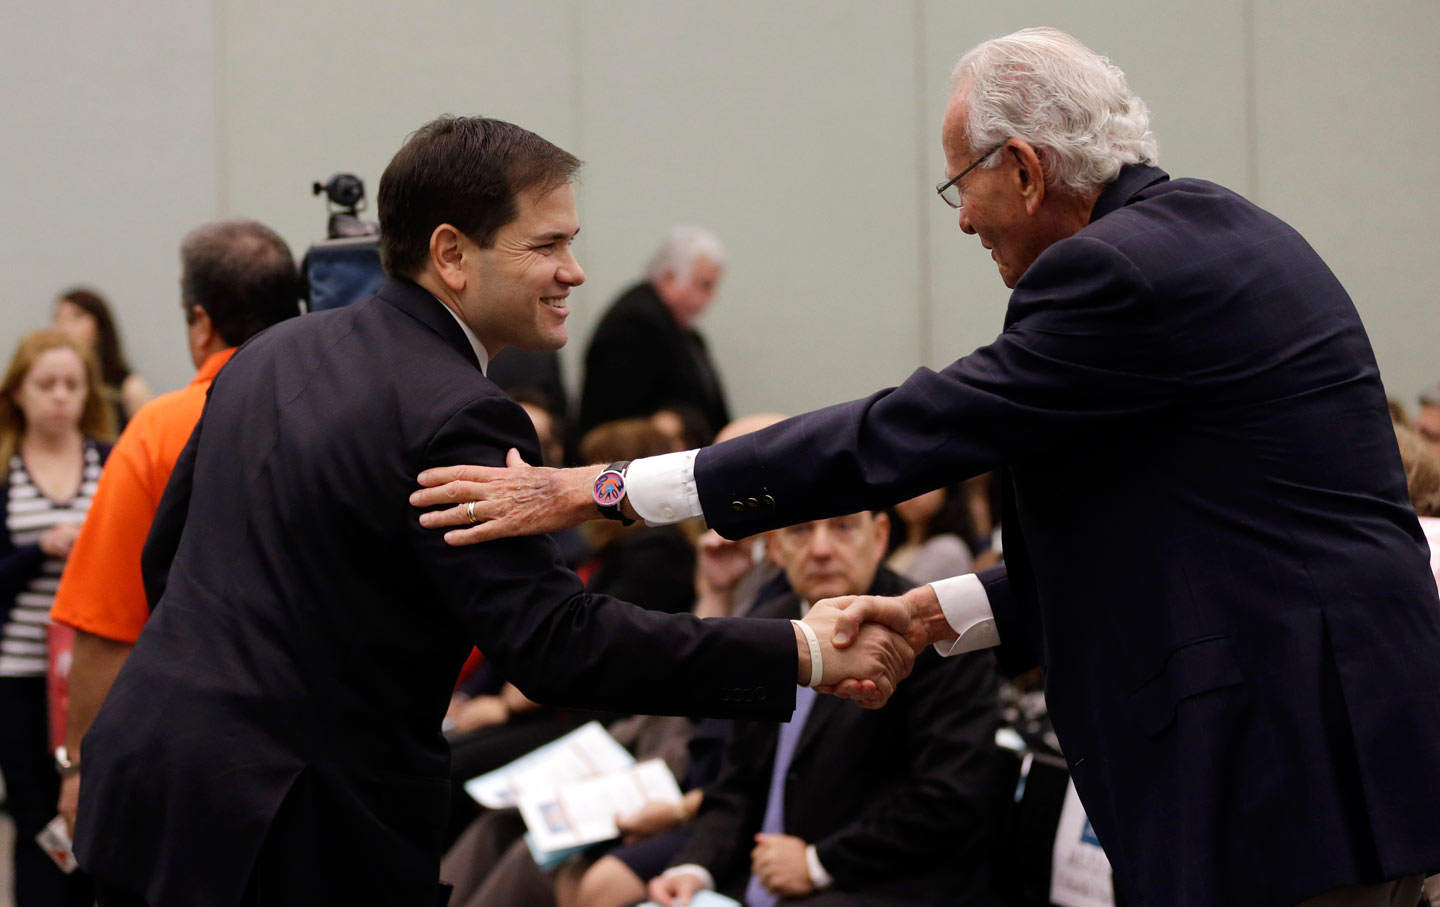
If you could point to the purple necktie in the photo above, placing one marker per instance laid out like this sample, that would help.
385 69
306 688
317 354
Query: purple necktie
774 821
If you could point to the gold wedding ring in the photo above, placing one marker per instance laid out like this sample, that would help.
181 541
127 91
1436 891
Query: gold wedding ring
470 512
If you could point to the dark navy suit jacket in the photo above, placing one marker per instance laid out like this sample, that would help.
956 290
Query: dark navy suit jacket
1208 540
310 631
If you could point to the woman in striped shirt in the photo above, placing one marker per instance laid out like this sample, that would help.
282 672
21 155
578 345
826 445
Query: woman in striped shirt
53 421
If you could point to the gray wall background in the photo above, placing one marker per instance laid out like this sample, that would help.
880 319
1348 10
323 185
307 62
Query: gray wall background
804 132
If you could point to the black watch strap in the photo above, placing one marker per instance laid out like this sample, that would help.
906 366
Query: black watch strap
609 491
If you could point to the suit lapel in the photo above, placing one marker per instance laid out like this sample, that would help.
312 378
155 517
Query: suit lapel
420 304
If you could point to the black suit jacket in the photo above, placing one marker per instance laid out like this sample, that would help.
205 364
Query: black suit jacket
894 800
309 625
1209 543
641 360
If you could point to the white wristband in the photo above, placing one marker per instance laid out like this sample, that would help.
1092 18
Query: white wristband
817 662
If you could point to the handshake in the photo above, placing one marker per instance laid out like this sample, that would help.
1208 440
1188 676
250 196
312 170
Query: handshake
867 643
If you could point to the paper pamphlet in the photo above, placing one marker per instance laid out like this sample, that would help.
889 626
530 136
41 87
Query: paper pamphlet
584 812
583 753
55 841
1080 872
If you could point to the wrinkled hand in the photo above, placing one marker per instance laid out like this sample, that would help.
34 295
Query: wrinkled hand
722 562
872 660
916 616
58 540
515 500
675 890
69 801
779 862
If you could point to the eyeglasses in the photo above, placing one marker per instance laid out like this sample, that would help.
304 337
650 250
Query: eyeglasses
949 190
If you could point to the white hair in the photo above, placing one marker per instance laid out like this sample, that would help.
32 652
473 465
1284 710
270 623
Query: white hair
1045 87
678 252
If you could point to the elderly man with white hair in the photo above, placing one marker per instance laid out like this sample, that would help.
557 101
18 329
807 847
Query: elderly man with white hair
647 355
1208 542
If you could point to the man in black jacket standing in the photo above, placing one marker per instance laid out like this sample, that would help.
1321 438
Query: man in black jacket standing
647 355
274 737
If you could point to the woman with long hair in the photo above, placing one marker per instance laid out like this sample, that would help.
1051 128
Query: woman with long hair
54 425
85 316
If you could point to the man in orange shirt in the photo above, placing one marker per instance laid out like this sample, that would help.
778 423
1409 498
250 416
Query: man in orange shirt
238 277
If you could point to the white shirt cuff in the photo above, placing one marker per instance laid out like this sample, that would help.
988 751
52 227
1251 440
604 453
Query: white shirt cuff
818 876
662 489
706 879
966 607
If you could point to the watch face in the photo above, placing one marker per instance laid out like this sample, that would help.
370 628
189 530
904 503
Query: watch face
609 488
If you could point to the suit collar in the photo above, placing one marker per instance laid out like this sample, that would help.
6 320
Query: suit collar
1122 190
420 304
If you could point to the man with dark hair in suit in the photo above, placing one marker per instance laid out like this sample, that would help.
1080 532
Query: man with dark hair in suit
1208 542
274 737
844 806
647 355
237 277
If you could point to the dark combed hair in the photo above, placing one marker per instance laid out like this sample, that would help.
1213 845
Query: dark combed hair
242 274
462 171
114 368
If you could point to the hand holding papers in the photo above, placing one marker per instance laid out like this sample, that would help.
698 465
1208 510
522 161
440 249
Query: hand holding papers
584 812
583 753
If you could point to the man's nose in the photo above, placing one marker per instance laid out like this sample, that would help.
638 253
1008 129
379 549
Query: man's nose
965 226
821 544
571 273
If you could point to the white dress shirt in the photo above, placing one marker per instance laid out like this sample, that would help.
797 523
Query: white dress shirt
662 490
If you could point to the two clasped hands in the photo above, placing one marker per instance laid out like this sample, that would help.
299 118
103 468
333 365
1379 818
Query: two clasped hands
867 643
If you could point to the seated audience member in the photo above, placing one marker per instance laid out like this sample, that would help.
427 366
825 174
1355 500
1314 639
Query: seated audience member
84 315
1427 420
237 277
54 422
843 806
1422 480
932 533
491 866
654 567
646 354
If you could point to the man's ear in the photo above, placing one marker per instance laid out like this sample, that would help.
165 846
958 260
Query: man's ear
202 328
1029 176
448 248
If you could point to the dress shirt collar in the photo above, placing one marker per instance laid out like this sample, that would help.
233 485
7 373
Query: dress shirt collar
480 353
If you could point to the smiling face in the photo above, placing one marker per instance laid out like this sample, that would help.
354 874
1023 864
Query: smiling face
831 557
1004 199
52 394
514 292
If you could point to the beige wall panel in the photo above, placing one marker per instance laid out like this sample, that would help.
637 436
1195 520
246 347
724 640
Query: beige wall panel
109 157
788 129
1349 150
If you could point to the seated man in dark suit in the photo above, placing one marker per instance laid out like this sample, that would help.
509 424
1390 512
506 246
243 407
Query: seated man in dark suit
842 806
274 737
647 355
